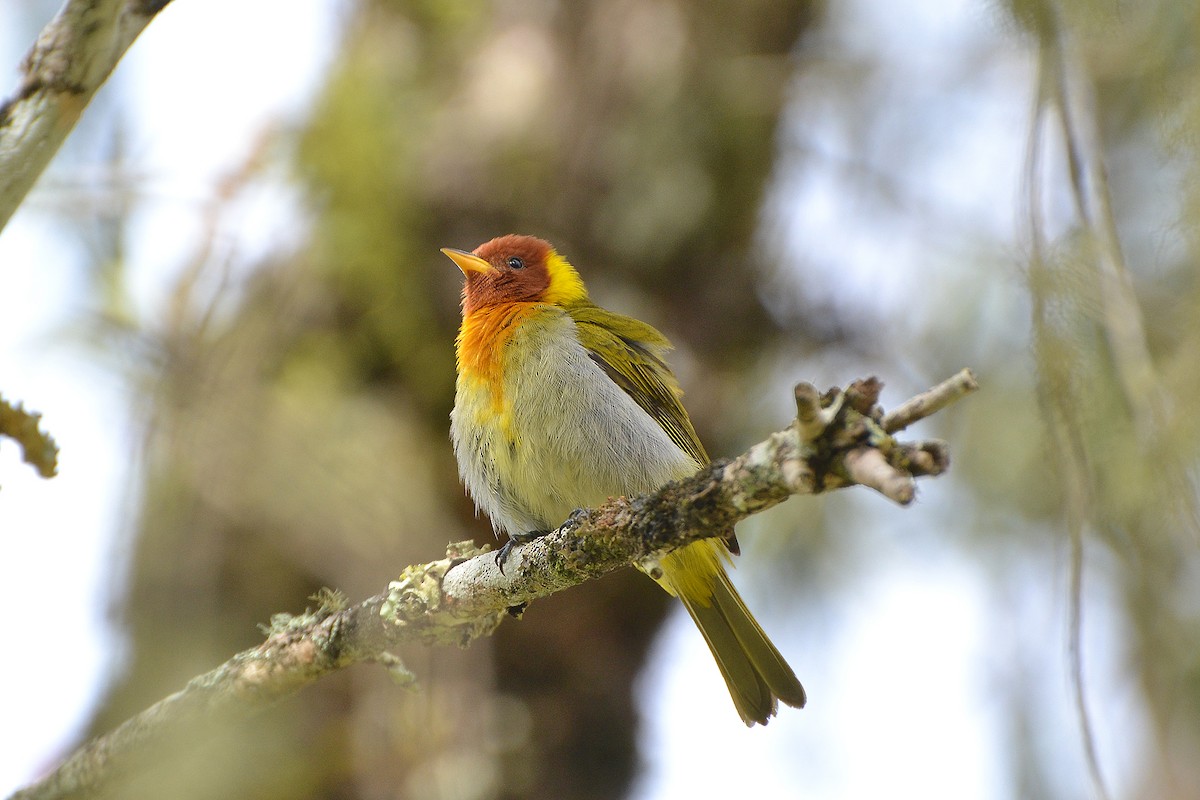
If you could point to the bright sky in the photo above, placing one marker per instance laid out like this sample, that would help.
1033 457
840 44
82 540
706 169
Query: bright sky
903 679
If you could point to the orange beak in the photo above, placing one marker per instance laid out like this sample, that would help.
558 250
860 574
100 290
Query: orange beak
467 262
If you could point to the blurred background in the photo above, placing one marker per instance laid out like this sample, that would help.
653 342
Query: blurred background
227 299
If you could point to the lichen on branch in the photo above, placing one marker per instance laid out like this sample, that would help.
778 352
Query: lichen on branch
840 438
37 447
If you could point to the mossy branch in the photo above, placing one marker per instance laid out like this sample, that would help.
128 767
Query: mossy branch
72 58
839 439
37 447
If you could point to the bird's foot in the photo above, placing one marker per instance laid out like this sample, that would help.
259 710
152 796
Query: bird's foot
515 539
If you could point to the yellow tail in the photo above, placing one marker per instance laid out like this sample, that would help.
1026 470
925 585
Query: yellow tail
757 675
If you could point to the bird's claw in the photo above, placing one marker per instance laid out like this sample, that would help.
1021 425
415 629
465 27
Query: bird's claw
515 539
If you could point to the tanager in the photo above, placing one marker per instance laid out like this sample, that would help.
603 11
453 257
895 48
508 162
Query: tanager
560 405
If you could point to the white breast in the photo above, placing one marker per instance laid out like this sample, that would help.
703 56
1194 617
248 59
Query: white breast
572 438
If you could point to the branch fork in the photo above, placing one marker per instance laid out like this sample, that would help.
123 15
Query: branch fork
849 437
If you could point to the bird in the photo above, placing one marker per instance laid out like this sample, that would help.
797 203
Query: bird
560 405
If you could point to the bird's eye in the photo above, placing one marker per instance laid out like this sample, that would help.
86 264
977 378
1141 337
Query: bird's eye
516 263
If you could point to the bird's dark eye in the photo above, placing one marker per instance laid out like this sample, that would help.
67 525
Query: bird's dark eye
515 263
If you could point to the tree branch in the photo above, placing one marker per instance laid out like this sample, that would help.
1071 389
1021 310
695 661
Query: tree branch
836 441
24 427
72 58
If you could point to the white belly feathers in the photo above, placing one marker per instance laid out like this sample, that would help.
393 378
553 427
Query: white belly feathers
565 436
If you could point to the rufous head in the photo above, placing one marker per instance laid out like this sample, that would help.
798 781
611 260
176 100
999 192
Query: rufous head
516 269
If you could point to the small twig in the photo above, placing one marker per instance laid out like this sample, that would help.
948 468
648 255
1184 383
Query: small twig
811 419
930 457
37 447
930 402
867 466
